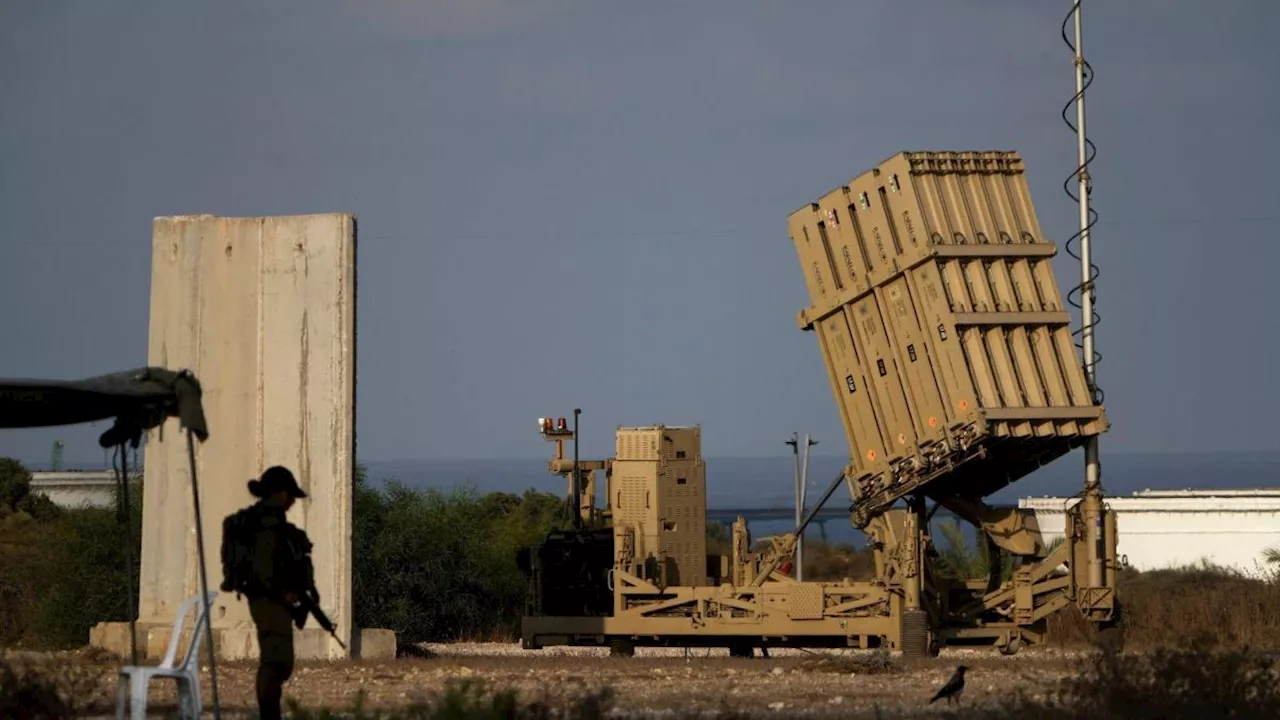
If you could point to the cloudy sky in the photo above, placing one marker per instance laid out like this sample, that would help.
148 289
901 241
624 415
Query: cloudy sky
528 174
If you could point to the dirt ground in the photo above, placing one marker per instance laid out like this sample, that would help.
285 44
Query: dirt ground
654 683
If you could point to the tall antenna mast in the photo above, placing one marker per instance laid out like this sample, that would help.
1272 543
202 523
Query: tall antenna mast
1088 318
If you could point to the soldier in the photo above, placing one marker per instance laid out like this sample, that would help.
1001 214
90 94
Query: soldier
278 577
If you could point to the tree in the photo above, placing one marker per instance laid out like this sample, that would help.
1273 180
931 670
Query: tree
15 483
961 562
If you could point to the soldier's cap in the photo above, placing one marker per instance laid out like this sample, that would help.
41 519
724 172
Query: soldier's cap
273 480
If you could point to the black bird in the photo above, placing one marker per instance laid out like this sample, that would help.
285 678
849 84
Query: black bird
954 687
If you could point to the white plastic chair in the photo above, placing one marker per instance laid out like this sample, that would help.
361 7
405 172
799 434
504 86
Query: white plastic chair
134 680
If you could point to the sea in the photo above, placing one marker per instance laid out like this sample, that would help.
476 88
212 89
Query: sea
767 483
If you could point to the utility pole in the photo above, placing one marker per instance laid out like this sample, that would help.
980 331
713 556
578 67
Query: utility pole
804 487
800 483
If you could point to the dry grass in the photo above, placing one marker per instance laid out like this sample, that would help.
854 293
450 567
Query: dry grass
1221 608
35 688
875 663
1192 681
473 699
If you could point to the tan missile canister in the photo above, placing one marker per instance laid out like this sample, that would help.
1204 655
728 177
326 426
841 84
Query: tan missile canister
945 337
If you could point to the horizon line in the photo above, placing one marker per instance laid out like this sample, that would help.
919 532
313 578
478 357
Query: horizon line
812 455
79 464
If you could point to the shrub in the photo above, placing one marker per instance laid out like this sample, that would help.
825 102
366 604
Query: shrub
471 699
1190 680
835 562
436 566
1165 607
15 483
61 572
48 691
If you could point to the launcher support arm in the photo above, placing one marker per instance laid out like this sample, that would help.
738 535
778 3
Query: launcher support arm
784 546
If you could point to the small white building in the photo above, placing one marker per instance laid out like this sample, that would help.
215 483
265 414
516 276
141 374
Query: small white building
1161 529
76 488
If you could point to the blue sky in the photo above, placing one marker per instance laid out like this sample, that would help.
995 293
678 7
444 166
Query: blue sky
584 203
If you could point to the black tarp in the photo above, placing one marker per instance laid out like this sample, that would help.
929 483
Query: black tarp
138 400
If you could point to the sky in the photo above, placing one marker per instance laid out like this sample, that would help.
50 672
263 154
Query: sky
583 204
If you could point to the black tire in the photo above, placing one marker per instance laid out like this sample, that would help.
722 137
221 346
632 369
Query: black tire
1012 647
621 647
1109 637
916 638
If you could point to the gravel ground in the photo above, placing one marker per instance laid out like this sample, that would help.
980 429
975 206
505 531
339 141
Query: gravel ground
654 683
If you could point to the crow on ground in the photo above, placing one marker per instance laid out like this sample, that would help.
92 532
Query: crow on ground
954 687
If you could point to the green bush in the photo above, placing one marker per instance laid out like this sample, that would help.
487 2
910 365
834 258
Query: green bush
62 571
15 483
15 493
437 566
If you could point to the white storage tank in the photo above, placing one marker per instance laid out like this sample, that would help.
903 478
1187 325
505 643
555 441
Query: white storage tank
76 488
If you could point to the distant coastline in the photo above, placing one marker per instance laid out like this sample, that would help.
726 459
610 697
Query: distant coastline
766 481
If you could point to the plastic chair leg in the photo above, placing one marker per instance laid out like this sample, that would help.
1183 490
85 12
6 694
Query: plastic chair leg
184 698
138 697
122 695
197 702
196 697
189 697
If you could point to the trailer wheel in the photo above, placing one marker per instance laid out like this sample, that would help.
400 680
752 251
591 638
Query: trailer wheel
1012 647
1109 637
621 647
916 640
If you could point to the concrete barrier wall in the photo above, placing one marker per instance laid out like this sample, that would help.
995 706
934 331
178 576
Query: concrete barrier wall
263 311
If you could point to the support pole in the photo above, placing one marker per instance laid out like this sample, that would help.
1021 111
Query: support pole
577 474
124 514
204 577
794 442
1093 513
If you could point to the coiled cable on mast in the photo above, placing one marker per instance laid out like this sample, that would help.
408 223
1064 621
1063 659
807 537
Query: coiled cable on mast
1074 295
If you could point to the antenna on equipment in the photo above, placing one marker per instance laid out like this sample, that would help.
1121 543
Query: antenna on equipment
1085 152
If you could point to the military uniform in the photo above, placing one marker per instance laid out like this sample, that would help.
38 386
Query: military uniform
279 576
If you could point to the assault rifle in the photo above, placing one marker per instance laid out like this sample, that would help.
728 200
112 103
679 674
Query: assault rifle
309 598
309 604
